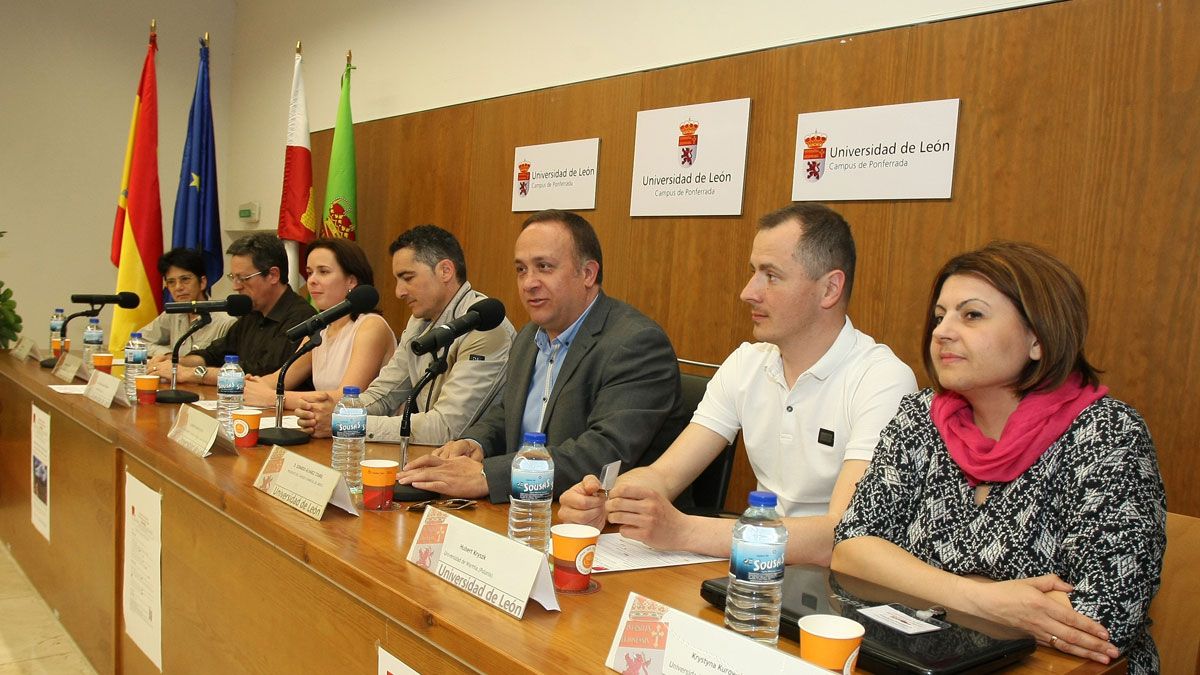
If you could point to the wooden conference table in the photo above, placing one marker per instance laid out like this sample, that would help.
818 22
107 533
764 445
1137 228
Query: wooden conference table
252 585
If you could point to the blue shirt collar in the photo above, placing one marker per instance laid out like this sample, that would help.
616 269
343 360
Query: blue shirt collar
565 338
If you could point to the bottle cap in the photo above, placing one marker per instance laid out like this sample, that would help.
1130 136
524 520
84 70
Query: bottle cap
135 335
231 358
58 310
534 437
351 391
763 498
94 319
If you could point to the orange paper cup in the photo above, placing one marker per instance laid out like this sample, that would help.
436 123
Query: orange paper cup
245 427
379 479
147 389
830 641
102 362
573 548
57 346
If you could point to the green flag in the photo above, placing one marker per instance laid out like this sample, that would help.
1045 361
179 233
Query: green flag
340 214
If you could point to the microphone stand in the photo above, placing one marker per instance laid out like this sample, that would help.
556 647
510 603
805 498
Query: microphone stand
51 361
174 395
277 435
408 493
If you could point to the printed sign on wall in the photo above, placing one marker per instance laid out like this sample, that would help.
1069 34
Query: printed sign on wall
556 175
903 151
690 160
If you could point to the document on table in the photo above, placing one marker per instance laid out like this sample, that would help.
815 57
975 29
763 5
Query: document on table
268 417
69 388
617 553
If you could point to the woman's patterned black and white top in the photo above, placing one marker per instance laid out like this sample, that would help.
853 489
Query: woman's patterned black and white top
1091 509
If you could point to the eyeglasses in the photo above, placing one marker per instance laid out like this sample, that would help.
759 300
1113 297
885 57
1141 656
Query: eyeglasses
448 504
179 281
239 279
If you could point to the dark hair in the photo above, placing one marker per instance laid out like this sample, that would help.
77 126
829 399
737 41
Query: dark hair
587 245
1048 296
431 245
189 259
826 243
350 258
265 251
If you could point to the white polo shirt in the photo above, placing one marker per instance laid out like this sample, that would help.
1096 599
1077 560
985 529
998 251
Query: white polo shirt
797 437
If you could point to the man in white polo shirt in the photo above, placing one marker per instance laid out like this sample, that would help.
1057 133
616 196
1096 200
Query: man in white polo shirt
811 398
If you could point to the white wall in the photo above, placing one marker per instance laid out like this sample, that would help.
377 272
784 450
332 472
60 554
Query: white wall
69 69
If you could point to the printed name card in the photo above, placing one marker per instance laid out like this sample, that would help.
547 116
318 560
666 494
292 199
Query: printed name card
488 565
68 366
104 388
194 430
25 348
653 639
303 484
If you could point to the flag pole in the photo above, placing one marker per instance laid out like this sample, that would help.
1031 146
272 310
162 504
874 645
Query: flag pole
347 57
153 28
205 38
298 50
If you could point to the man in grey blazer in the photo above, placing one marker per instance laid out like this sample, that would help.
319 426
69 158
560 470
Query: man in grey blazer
594 374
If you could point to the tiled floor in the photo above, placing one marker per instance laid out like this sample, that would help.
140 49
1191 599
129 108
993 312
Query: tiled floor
32 641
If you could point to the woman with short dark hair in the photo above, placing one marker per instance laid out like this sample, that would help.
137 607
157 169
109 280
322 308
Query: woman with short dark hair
182 271
1015 489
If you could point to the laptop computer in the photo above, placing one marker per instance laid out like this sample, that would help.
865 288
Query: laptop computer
965 644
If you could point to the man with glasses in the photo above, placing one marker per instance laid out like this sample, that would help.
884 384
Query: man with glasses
258 269
182 270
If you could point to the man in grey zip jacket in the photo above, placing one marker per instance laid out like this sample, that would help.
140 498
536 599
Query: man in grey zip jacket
430 272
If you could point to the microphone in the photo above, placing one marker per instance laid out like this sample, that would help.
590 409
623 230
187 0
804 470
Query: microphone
360 299
123 299
234 305
483 315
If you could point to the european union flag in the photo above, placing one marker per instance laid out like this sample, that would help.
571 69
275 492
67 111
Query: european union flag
197 217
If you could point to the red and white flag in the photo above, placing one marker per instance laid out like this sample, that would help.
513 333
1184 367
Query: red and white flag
297 212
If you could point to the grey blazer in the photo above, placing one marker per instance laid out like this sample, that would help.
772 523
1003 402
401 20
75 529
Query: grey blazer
617 397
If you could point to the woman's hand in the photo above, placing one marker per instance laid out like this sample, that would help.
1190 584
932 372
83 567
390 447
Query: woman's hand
1029 604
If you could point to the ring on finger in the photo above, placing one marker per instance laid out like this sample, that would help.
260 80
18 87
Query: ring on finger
1054 641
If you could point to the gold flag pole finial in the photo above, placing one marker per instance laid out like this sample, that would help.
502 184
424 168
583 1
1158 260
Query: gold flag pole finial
205 38
347 57
153 26
298 49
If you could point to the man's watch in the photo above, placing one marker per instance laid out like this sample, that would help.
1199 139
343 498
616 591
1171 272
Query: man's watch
200 372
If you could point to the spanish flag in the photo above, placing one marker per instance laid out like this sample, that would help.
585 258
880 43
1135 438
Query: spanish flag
137 233
297 211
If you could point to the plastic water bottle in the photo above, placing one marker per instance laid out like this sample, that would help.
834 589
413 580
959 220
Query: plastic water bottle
756 570
93 339
349 438
532 492
135 364
56 324
231 384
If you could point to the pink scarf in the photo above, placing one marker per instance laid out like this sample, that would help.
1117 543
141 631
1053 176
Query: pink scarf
1040 419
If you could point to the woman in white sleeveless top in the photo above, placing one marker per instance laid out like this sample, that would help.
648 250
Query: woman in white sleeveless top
353 349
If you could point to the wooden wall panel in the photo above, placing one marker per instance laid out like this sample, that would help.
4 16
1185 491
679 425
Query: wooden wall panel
1077 132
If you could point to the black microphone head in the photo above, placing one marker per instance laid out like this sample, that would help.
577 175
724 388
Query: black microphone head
490 311
238 305
128 300
363 298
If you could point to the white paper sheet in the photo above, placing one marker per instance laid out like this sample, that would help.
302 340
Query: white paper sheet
142 598
617 553
39 476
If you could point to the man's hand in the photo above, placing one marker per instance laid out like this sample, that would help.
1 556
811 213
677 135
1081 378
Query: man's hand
457 477
257 392
648 516
460 448
583 503
316 413
1028 604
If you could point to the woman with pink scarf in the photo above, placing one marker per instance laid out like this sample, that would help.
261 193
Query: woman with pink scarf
1015 489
